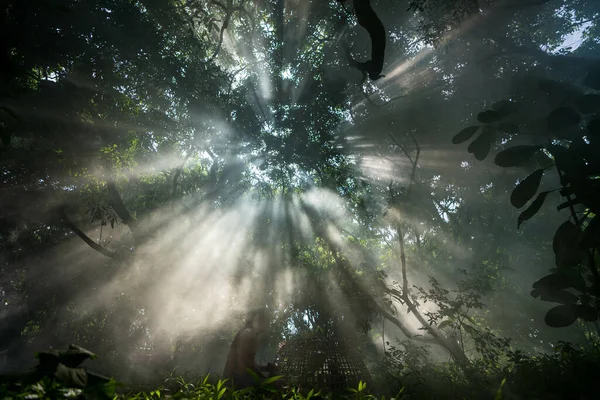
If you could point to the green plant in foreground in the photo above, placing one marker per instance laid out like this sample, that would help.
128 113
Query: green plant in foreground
360 393
59 375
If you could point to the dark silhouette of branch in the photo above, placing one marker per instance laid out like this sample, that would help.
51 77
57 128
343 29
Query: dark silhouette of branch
416 160
117 204
368 19
368 96
229 11
100 249
585 22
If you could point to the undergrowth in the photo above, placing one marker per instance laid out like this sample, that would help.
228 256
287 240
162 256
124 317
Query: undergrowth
569 372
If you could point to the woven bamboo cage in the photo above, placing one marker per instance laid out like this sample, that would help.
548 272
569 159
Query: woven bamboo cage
321 363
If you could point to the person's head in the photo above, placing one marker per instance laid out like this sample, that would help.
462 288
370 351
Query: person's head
257 319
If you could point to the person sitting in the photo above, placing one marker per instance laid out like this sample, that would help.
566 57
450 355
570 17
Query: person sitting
242 352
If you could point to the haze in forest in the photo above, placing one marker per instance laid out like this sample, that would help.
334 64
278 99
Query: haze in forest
168 166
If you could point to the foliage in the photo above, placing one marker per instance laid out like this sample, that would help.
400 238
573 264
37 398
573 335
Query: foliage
572 149
567 372
121 111
58 375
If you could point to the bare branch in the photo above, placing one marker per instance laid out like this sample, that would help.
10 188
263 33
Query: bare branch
229 11
100 249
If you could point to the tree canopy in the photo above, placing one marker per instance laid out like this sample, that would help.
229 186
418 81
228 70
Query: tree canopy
166 166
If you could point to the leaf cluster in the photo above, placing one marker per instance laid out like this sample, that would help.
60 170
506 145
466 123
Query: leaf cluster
573 142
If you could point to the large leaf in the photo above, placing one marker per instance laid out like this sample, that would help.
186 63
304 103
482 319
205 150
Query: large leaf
488 116
75 355
532 209
48 360
588 103
557 90
593 78
526 189
564 245
560 280
446 323
481 146
516 156
567 160
562 118
504 108
560 296
508 127
552 283
591 235
71 377
588 313
465 134
562 316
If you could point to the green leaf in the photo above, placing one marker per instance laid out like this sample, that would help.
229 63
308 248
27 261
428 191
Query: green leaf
508 127
560 296
588 103
562 118
505 107
564 245
499 392
558 281
361 386
464 134
552 282
488 116
445 323
516 156
532 209
588 313
481 146
562 316
566 159
253 374
593 78
272 379
526 189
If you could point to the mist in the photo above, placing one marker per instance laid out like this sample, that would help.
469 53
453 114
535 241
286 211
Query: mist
166 168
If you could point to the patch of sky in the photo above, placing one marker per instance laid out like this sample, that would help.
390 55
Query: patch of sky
575 38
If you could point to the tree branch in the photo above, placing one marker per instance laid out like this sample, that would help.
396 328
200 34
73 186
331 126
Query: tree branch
100 249
117 204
